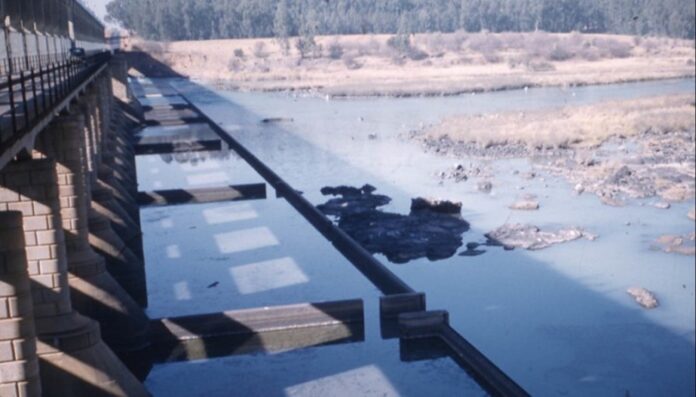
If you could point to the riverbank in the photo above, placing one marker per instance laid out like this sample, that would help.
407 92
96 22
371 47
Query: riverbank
618 150
433 64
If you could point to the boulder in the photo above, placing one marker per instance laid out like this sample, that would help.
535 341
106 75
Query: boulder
436 205
530 237
643 297
525 205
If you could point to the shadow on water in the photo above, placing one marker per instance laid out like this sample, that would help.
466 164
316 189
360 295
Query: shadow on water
552 334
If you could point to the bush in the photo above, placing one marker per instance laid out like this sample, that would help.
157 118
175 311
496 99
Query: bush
417 55
618 49
538 43
260 50
485 43
351 63
400 42
492 58
613 48
540 66
590 54
559 53
650 45
335 50
307 47
239 53
372 47
234 65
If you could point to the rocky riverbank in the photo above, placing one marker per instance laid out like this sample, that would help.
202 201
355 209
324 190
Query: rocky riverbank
620 151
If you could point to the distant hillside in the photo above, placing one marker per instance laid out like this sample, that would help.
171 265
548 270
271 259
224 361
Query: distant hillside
213 19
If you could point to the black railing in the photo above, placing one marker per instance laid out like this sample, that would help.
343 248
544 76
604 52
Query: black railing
31 94
27 63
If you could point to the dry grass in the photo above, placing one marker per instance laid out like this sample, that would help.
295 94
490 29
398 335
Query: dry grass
446 63
583 126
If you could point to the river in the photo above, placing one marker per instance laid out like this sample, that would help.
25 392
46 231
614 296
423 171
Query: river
558 320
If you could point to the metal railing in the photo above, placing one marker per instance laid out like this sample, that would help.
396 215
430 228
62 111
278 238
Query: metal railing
27 63
32 94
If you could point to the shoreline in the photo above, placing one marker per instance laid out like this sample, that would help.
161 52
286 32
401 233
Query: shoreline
618 150
316 90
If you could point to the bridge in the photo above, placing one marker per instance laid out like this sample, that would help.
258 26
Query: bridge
73 290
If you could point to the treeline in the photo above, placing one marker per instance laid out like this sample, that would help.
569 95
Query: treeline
212 19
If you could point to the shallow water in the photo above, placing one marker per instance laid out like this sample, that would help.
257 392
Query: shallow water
558 320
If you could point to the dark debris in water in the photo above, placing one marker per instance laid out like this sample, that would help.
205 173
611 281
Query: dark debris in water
428 231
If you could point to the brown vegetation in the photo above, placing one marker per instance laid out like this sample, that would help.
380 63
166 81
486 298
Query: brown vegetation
581 126
429 64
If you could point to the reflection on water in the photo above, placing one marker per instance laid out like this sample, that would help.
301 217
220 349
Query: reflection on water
196 157
542 316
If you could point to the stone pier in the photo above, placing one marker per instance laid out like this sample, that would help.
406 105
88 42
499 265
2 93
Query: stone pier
94 291
19 365
73 360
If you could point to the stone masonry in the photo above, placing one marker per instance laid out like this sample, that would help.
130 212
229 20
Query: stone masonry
19 365
73 360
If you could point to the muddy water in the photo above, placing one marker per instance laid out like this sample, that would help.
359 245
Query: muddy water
558 320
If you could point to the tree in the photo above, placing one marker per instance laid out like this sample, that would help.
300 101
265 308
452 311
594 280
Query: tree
204 19
308 30
281 25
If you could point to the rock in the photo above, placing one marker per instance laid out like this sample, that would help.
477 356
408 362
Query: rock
529 175
662 205
433 230
611 201
677 193
436 205
372 136
683 245
531 237
692 214
643 297
472 246
484 186
622 176
525 205
579 189
590 236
